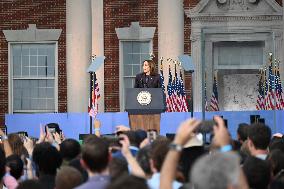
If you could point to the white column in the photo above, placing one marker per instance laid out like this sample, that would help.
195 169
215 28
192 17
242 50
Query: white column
170 31
98 43
79 44
279 51
209 70
197 76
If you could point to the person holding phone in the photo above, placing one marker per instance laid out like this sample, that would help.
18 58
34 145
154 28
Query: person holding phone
148 78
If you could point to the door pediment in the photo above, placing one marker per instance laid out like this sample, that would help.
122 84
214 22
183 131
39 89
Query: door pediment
235 8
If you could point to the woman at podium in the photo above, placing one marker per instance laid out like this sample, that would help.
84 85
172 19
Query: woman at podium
148 78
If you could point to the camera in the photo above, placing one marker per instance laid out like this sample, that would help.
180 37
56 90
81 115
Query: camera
151 135
53 128
22 135
206 126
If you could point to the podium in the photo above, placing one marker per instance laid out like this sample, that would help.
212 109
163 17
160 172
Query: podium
144 107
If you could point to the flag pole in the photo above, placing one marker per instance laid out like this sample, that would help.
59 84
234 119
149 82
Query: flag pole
96 62
202 39
93 93
91 99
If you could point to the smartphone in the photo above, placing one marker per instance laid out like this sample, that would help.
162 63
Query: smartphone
206 126
112 139
53 127
22 135
34 139
51 130
151 135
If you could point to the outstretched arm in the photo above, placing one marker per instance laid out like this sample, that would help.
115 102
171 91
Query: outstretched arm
184 133
133 164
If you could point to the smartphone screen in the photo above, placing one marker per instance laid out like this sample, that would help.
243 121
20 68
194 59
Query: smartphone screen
51 130
151 135
206 126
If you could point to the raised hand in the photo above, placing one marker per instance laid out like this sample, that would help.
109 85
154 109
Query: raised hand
185 131
41 135
221 134
29 145
49 136
121 128
124 141
57 138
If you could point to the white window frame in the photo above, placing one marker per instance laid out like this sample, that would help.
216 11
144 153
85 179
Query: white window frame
10 80
133 33
242 66
121 69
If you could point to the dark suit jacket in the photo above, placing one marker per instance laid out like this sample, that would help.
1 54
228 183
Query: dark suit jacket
153 81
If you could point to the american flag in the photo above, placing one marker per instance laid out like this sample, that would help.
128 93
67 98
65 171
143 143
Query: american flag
265 90
278 90
93 110
260 102
182 94
271 89
271 86
176 97
170 105
162 76
214 98
205 95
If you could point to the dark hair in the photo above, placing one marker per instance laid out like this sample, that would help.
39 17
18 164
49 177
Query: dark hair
47 158
128 181
278 182
70 149
2 163
260 135
16 166
143 158
151 64
95 153
133 138
17 145
117 168
29 184
160 149
257 172
77 165
277 143
276 159
140 135
243 131
67 178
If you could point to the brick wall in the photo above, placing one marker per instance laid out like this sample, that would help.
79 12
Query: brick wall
117 14
187 44
46 14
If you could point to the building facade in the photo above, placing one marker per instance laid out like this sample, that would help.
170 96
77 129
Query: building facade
45 49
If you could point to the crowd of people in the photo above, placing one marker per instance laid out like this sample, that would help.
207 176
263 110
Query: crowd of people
133 159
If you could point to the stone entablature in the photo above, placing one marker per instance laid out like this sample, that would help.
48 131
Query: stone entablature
216 21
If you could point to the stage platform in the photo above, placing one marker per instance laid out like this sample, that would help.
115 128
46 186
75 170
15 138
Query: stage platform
74 124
